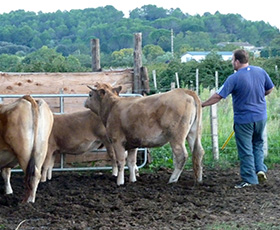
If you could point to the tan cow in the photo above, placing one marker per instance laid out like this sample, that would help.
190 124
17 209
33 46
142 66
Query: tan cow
25 126
76 133
151 121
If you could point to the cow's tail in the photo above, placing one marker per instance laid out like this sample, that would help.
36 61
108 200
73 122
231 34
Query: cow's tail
198 150
197 145
199 122
198 115
30 170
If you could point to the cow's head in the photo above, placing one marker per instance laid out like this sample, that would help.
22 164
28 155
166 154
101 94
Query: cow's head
98 94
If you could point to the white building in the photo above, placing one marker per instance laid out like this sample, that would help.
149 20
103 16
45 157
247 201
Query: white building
200 55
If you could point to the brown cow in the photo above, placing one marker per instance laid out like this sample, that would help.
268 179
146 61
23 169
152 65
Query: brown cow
25 126
151 121
76 133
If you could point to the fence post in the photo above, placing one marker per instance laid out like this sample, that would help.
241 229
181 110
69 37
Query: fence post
177 80
265 145
155 79
197 81
95 52
137 62
172 85
214 129
216 80
145 80
61 101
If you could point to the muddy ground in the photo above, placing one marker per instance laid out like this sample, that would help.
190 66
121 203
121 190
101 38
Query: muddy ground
92 200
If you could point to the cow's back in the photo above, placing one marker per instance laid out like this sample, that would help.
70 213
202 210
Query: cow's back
151 121
45 124
76 133
16 129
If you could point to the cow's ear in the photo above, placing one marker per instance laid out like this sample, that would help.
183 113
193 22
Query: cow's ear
101 92
117 90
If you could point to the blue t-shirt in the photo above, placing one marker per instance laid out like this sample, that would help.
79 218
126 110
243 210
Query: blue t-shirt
247 87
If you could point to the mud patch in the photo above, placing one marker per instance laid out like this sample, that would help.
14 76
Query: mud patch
92 200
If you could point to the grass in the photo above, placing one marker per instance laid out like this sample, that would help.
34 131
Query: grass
162 156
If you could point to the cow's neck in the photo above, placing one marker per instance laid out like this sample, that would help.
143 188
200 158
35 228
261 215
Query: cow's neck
106 108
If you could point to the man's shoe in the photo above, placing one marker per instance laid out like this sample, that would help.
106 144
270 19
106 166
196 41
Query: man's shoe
261 177
242 185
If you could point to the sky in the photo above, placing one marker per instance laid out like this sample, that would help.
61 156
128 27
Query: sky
266 11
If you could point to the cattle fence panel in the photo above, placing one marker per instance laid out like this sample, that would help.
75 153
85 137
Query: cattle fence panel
143 151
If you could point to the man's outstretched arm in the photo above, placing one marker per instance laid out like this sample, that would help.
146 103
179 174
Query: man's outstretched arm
215 98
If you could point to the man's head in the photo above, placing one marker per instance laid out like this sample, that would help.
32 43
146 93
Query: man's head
240 59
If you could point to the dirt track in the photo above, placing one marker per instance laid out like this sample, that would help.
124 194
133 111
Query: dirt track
91 200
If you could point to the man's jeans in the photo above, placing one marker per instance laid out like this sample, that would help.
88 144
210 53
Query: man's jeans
249 141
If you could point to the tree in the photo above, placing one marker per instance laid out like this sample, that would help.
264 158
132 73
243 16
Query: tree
9 63
232 22
148 12
193 24
200 40
36 42
151 52
213 24
40 60
161 36
168 23
23 35
123 57
121 41
177 13
85 61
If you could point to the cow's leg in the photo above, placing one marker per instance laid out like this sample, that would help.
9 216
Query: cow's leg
197 156
194 141
179 158
28 168
47 169
111 152
45 123
131 163
6 174
121 157
51 167
39 160
48 166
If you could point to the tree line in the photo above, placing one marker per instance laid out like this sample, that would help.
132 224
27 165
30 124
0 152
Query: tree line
70 32
60 41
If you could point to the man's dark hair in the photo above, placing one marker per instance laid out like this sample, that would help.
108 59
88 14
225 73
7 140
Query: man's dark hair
242 56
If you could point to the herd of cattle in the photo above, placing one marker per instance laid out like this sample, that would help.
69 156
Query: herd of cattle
31 135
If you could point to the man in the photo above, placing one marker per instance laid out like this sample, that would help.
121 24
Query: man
248 86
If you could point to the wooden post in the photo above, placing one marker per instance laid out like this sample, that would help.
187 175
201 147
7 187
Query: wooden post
172 38
145 80
216 80
137 62
95 52
155 79
197 82
276 70
214 129
177 80
265 145
172 85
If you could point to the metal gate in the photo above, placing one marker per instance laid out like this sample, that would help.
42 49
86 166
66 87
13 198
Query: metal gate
142 151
